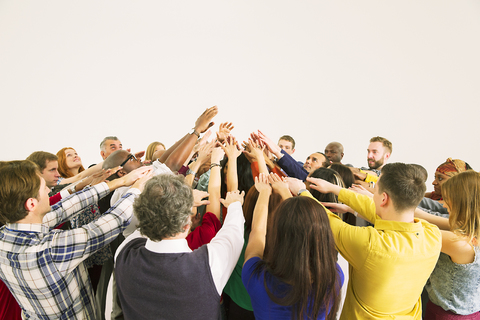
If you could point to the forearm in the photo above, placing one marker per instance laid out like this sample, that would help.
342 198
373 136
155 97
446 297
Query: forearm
362 204
214 185
99 233
71 206
181 152
441 223
292 167
232 177
256 240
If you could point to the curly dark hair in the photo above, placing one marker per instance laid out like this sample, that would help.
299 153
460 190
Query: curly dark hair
164 207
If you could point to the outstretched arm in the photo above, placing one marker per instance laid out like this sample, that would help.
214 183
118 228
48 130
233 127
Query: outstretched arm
215 182
232 152
441 223
256 240
176 155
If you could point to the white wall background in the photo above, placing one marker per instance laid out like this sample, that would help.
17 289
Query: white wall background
72 72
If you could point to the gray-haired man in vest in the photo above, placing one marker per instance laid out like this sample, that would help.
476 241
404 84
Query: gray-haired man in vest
158 275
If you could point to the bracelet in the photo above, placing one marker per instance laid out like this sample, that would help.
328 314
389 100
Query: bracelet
190 171
215 165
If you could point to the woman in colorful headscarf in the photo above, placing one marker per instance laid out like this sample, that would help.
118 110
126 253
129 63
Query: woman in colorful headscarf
445 171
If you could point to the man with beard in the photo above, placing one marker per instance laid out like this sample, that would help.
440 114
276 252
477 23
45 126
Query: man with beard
379 151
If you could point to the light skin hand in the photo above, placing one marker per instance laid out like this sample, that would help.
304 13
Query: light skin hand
136 174
262 185
232 197
279 185
323 186
204 152
295 185
224 131
256 150
360 189
204 122
203 141
143 178
338 207
101 176
360 175
231 148
198 196
247 151
217 155
272 146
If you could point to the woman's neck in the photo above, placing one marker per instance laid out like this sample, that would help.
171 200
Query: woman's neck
74 171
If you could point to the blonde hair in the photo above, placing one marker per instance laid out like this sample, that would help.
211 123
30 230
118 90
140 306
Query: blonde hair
151 149
462 195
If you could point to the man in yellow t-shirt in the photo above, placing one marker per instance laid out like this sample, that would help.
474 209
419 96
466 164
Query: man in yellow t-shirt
391 261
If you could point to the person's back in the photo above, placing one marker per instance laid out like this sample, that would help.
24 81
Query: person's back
388 273
298 278
158 276
390 262
182 281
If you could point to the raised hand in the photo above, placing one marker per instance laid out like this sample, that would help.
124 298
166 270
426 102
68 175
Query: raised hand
217 155
279 185
262 184
204 122
231 148
269 143
295 185
204 152
232 197
224 131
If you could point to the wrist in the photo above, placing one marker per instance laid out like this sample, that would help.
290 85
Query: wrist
195 131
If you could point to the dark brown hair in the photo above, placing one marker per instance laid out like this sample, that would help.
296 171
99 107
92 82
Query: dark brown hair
40 158
403 183
19 181
302 254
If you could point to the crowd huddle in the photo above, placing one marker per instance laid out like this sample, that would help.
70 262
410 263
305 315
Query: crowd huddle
215 228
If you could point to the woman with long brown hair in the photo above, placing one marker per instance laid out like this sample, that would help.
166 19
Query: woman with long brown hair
298 278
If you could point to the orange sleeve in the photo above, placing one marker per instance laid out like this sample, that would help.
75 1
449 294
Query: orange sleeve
255 170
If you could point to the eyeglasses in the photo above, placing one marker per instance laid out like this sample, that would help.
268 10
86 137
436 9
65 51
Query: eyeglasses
131 156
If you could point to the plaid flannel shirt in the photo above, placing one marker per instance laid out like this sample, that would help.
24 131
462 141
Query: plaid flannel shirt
44 268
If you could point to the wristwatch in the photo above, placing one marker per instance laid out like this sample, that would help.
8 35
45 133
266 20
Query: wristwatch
195 131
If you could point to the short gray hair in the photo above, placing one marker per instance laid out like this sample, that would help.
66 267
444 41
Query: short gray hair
164 207
102 144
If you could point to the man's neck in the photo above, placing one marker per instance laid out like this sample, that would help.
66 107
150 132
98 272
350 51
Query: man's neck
32 218
405 216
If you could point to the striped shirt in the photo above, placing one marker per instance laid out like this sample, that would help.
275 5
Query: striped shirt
43 267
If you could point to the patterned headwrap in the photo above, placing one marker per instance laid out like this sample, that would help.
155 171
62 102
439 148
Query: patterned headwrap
450 168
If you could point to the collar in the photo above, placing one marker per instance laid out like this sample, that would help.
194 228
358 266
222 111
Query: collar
416 226
168 246
28 227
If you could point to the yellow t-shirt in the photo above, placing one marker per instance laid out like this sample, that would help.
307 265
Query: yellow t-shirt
389 263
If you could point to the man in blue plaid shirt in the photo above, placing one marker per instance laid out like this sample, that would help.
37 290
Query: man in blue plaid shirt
43 267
